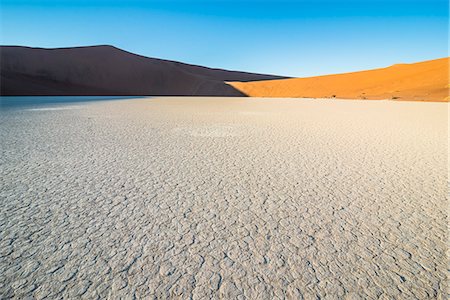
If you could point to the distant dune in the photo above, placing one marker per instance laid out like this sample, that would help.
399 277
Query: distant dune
106 70
423 81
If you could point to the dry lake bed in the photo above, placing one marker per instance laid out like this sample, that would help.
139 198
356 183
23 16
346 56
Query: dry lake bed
229 198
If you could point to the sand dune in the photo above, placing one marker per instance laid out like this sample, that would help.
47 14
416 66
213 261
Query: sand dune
423 81
106 70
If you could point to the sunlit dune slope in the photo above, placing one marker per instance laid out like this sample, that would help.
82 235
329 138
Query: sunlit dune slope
423 81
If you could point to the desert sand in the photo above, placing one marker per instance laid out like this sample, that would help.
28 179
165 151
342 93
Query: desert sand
107 70
236 198
424 81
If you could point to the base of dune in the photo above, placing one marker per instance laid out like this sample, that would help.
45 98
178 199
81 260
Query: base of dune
224 197
423 81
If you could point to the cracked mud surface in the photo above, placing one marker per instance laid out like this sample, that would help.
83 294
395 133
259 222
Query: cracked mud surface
224 198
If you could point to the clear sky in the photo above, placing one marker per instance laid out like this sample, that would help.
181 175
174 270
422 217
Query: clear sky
295 38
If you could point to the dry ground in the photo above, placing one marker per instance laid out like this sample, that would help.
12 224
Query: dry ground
224 198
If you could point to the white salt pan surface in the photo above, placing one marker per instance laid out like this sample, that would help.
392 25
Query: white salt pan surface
239 198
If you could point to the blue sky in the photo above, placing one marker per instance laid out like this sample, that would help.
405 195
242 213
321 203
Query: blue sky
295 38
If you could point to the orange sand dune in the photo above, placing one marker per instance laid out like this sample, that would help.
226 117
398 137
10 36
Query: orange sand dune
423 81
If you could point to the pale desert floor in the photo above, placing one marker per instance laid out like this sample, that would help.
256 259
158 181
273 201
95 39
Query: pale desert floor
224 198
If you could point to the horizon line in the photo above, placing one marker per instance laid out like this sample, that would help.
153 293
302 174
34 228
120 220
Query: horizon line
220 68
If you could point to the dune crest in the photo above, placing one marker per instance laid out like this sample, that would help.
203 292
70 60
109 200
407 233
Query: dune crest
423 81
106 70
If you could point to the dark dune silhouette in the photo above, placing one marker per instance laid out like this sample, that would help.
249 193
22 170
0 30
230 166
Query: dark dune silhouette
107 70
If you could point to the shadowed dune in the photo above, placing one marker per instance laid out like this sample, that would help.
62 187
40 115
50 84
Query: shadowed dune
106 70
423 81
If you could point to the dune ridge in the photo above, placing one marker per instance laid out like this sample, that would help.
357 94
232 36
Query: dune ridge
423 81
107 70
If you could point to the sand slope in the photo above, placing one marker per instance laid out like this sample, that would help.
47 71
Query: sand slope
424 81
106 70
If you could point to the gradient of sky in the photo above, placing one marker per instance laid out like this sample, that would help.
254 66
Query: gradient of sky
294 38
